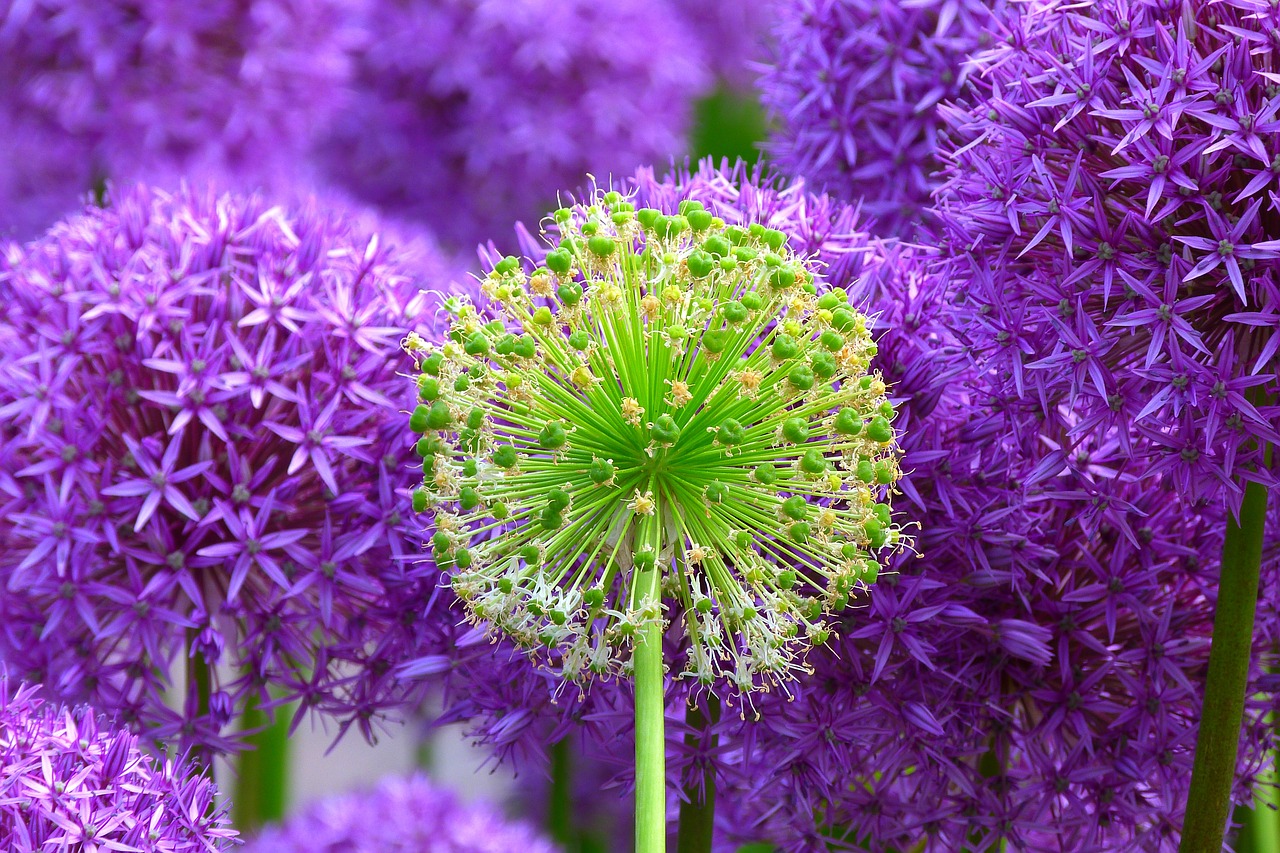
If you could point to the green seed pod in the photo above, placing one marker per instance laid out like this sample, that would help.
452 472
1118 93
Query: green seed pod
848 422
542 316
801 377
842 320
462 383
475 418
526 346
552 436
782 278
832 340
418 420
866 471
558 499
799 531
570 293
735 312
752 300
420 500
785 347
716 340
428 388
766 474
716 245
700 264
470 468
469 498
531 554
796 508
731 432
699 220
559 261
786 579
579 340
551 518
593 597
717 492
431 364
795 430
477 344
440 542
506 345
507 265
439 416
505 456
824 365
665 430
879 430
600 471
813 462
600 246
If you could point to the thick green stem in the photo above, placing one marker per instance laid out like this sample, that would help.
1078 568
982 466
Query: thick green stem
698 808
651 773
198 674
262 786
560 800
1213 773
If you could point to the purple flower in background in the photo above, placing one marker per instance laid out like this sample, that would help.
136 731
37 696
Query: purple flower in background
854 86
469 113
731 35
151 89
409 815
1111 196
71 781
198 459
1034 675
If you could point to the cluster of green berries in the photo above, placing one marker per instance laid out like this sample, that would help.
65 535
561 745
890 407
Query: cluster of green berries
669 394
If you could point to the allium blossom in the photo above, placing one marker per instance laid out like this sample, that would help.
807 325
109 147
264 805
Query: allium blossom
1111 193
672 398
1060 632
469 113
144 89
855 87
200 460
70 781
400 815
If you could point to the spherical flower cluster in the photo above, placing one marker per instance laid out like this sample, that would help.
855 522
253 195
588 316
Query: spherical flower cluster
69 781
1038 665
200 455
469 113
409 815
128 89
672 405
855 86
1112 195
730 35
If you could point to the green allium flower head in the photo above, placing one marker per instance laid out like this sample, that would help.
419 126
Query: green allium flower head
666 394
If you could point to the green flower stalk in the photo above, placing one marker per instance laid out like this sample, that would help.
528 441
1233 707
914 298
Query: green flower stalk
667 422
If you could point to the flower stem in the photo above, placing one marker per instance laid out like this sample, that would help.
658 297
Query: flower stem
698 808
262 787
199 677
651 775
560 800
1213 773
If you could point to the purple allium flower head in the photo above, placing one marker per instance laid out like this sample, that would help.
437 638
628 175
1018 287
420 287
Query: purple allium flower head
855 86
1037 670
400 815
143 89
70 781
1112 193
469 113
199 456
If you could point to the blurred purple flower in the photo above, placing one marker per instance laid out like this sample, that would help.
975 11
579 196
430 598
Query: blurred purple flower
855 86
469 113
70 781
198 453
151 89
1110 196
410 815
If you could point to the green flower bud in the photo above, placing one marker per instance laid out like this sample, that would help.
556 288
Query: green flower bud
469 498
542 316
866 471
801 377
440 542
699 220
785 347
716 245
593 597
579 340
752 301
420 499
824 365
832 340
477 344
799 531
735 312
796 508
786 579
462 383
774 239
470 468
717 492
431 364
813 462
842 319
782 278
700 264
439 416
716 340
600 471
558 499
507 265
526 346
